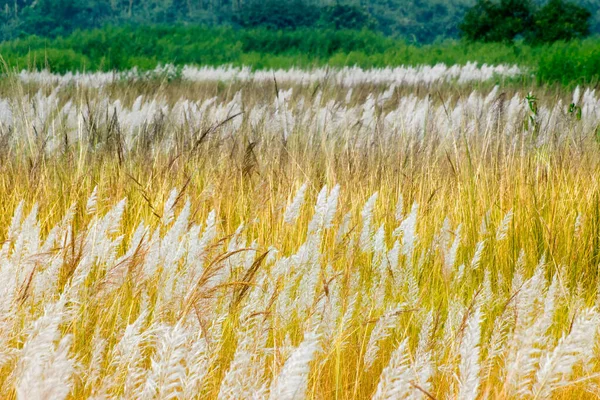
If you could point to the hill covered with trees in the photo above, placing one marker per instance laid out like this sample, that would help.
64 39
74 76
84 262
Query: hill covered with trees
419 21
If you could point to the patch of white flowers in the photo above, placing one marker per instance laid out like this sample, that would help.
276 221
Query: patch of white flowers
48 121
164 349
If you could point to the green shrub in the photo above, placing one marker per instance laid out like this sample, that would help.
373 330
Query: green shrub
570 63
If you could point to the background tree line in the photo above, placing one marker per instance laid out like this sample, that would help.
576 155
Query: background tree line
576 62
419 21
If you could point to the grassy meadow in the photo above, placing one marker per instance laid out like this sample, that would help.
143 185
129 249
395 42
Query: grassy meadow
290 238
145 47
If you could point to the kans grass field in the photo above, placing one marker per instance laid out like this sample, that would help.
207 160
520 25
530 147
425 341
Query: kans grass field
427 232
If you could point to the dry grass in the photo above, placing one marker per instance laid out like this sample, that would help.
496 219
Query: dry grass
254 295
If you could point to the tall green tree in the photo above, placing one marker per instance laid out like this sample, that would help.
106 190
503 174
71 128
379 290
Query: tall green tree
276 14
60 17
421 21
503 21
489 21
560 20
343 16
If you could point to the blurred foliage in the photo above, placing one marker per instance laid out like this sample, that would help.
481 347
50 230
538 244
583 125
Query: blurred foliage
145 47
559 20
502 21
340 16
507 20
422 21
274 14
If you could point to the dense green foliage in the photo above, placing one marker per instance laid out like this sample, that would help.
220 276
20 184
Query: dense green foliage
501 21
275 14
341 16
414 20
505 20
146 47
559 20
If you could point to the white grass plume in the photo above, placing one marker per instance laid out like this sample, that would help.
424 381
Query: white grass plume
291 383
408 227
92 202
167 373
469 368
395 380
399 211
476 260
168 209
332 201
44 368
293 209
197 363
367 218
577 346
382 329
502 231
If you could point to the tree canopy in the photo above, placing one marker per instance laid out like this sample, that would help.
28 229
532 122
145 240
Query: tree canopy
506 20
419 21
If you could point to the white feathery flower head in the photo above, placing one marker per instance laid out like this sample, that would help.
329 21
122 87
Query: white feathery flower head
367 218
293 210
395 380
90 207
168 210
502 231
476 260
291 383
469 369
408 227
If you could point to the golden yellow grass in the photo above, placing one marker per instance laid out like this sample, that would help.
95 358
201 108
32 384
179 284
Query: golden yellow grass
252 179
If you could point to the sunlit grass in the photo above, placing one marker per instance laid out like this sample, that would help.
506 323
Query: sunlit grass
252 295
